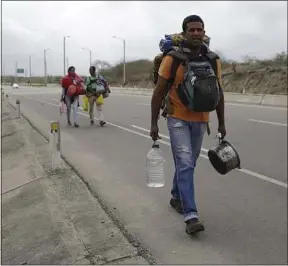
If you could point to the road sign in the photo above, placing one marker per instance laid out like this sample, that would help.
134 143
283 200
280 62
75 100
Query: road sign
20 70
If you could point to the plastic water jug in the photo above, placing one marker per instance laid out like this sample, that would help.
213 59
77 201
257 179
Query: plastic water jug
155 167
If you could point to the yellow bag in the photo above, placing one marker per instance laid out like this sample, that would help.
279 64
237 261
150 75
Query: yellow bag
85 103
100 100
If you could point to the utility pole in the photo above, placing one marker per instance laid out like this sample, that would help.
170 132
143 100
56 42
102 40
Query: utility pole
45 71
90 55
16 67
45 67
124 64
3 74
25 75
124 59
30 71
64 54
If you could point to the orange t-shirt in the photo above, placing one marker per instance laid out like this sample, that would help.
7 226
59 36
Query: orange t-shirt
179 110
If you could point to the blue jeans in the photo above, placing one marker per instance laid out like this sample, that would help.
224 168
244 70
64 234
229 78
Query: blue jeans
186 141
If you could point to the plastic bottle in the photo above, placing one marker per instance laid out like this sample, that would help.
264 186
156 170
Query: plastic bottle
62 108
155 167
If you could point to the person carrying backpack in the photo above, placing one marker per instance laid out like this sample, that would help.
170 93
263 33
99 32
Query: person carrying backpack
96 90
169 43
189 87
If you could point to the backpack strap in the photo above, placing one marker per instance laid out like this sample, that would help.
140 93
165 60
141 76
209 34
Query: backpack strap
212 57
178 58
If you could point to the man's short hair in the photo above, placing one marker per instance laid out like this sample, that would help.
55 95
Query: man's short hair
93 68
192 18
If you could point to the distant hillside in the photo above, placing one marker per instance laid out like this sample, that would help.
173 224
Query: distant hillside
252 75
258 76
136 72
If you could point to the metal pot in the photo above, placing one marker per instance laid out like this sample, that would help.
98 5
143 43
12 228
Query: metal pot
224 157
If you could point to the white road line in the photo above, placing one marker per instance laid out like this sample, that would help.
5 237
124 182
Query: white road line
40 101
268 122
161 135
263 177
144 104
238 104
257 106
245 171
130 95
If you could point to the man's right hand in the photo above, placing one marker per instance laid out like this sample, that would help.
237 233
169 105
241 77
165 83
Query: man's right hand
154 132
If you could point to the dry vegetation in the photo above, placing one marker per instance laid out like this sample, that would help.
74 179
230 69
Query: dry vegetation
255 76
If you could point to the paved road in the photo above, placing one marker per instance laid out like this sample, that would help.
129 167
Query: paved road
245 212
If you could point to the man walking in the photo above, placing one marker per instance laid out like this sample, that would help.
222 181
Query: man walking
197 73
96 87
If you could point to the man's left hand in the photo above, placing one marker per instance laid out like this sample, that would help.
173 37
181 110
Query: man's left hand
222 130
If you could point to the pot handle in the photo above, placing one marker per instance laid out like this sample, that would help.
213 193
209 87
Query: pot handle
219 137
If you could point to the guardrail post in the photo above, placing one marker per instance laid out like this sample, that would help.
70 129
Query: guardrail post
55 145
18 108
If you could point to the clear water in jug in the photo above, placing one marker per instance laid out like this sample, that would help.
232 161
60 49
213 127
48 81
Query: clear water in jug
155 167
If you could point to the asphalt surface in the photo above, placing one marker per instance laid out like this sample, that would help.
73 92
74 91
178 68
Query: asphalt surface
245 212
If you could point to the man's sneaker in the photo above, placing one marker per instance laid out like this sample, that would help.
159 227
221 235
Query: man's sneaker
92 122
102 123
194 226
69 123
76 125
176 205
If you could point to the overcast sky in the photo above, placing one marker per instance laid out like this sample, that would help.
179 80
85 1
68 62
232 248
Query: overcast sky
237 29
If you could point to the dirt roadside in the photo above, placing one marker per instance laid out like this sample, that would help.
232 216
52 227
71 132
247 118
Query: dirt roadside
51 218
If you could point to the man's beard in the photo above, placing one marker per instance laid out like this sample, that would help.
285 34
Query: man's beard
195 43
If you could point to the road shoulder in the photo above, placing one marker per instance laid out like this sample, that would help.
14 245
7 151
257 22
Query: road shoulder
51 218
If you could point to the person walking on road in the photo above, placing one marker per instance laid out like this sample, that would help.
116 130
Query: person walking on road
71 79
96 87
188 117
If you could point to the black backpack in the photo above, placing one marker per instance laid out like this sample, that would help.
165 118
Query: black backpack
200 90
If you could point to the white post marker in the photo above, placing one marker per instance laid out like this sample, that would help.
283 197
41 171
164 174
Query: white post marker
18 108
55 147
